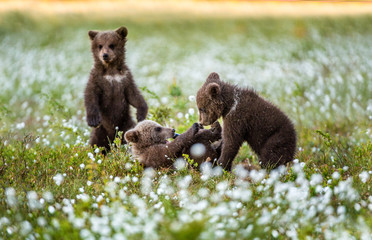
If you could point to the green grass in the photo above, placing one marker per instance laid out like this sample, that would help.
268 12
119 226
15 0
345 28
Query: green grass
318 70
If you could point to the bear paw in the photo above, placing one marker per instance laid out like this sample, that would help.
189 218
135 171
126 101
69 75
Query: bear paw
94 120
216 127
195 128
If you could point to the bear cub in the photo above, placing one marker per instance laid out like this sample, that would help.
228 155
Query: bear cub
246 117
111 89
151 148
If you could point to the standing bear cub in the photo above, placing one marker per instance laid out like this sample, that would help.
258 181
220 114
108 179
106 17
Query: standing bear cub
151 148
111 89
246 117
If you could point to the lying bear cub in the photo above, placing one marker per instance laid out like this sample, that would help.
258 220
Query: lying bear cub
151 147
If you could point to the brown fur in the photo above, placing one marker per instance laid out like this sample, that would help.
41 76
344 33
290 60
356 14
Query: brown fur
151 148
212 141
111 89
246 117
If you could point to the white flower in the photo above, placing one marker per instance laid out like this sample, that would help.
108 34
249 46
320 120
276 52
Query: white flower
198 150
11 196
91 156
191 111
185 182
336 175
25 228
275 233
364 176
316 179
179 164
33 202
58 179
240 171
51 209
257 176
20 125
82 166
192 98
179 115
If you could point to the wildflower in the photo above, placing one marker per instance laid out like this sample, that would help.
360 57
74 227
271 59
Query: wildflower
128 166
164 100
58 179
192 98
179 164
185 182
240 171
82 166
91 156
257 176
316 179
364 176
25 228
206 169
197 150
179 115
33 202
336 175
20 125
357 207
41 221
11 197
191 111
51 209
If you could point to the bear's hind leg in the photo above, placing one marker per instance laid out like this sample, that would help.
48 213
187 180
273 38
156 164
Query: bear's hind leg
99 137
278 150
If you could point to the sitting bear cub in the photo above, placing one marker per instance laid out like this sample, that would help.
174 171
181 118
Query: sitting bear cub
151 148
111 89
246 117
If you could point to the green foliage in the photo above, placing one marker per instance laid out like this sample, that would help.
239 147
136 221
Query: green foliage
174 90
160 114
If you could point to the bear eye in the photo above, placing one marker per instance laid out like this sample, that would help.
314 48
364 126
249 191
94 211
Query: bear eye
202 110
112 46
158 129
100 47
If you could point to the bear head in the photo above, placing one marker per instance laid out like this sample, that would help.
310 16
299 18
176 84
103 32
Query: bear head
148 133
209 100
108 46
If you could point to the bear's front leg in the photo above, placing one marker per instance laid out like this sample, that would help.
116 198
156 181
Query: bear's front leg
142 112
183 141
230 148
93 118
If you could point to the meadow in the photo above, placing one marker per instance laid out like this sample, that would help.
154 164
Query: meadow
316 69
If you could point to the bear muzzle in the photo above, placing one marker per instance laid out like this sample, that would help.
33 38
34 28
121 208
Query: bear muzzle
105 57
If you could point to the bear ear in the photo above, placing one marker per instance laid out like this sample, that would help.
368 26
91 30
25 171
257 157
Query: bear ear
122 31
213 89
92 34
132 136
213 76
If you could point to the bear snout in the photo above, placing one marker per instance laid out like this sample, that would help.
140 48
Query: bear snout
105 56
